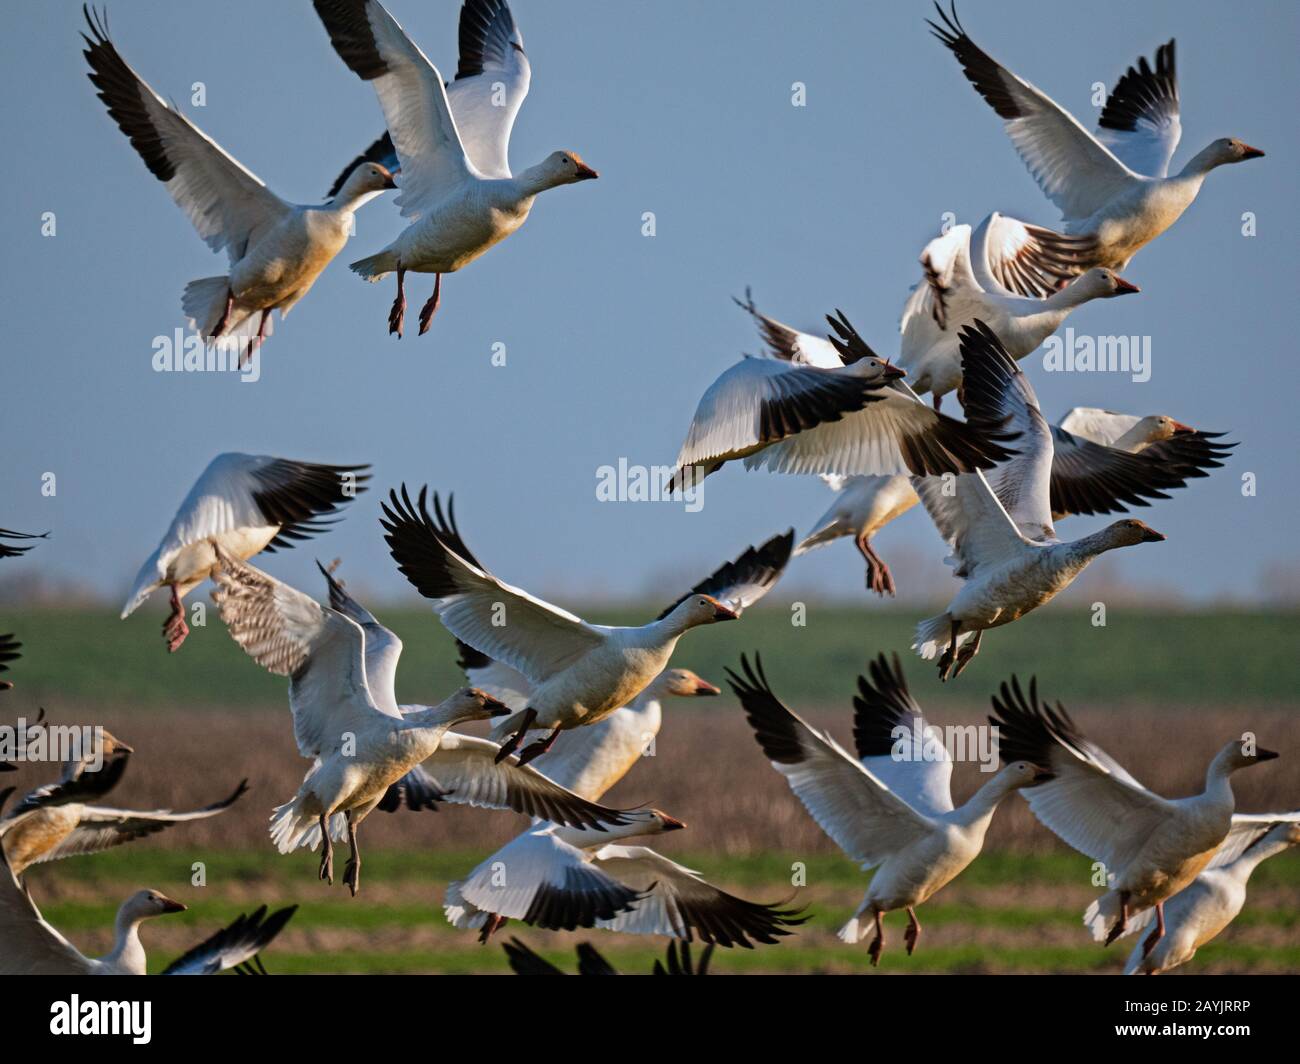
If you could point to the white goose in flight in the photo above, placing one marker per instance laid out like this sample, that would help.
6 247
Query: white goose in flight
242 504
456 185
1000 529
1151 847
801 414
565 878
888 812
1200 912
347 721
31 946
276 249
580 672
951 295
1112 186
596 757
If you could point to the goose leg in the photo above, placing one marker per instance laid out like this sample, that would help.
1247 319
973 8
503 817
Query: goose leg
877 946
431 308
512 744
938 399
352 872
327 851
967 652
495 922
538 748
398 312
174 628
950 654
879 578
1158 933
913 933
1118 927
225 315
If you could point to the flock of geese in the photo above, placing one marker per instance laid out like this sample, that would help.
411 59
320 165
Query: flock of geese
994 481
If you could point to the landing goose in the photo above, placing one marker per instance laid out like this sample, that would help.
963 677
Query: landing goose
525 961
888 812
857 418
276 249
9 647
862 507
565 878
1151 847
65 820
6 551
950 295
359 740
456 185
1000 529
243 504
580 672
1112 186
31 946
1198 913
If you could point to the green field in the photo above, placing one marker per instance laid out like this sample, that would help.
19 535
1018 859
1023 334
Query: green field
1175 659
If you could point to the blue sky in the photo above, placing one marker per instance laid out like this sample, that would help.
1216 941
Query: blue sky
611 336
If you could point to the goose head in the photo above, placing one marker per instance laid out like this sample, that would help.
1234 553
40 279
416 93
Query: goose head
1240 754
469 703
1129 532
1156 427
365 182
695 610
685 684
1223 151
1020 774
112 745
145 904
564 168
1102 283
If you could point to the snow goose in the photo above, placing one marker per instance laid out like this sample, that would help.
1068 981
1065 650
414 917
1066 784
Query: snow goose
242 503
889 812
359 740
63 820
950 295
6 551
1151 847
1004 545
580 673
855 418
456 185
564 878
1201 911
862 507
1158 436
9 647
276 249
525 961
1113 186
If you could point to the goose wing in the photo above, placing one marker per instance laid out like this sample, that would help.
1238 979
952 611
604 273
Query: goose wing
859 812
1140 123
491 82
226 203
894 742
678 901
412 95
322 651
536 638
1076 171
235 946
1091 802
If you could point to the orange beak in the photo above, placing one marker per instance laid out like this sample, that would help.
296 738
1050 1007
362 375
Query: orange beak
1251 153
671 823
586 173
1123 287
703 687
